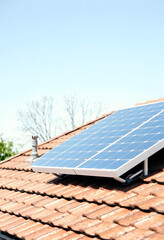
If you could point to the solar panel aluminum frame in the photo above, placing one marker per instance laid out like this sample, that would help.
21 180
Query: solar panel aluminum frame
123 169
116 173
57 170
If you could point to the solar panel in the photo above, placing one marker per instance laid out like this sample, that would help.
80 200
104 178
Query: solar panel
110 147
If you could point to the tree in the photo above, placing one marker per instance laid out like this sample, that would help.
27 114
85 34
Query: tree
78 111
37 118
6 149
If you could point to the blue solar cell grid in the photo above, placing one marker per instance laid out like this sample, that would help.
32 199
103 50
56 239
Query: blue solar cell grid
129 146
111 142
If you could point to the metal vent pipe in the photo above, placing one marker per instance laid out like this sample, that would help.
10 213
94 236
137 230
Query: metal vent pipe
34 153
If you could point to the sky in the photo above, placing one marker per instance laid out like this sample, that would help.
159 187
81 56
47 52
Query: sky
102 50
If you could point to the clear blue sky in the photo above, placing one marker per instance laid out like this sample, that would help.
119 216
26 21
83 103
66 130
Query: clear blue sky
110 51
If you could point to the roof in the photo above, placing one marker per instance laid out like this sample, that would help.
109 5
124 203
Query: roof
42 206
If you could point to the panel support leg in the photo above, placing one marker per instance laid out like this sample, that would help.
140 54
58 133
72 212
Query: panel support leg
146 167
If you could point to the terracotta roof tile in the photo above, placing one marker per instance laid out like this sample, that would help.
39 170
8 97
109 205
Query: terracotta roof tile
82 224
159 193
98 211
42 201
133 217
155 236
67 206
96 195
82 208
74 236
54 217
40 213
30 228
152 220
31 198
159 228
66 220
114 231
160 178
20 197
42 206
4 183
136 234
22 210
119 197
6 224
97 228
150 101
115 215
24 227
149 189
11 223
55 234
145 203
4 219
152 203
8 206
159 208
40 231
2 202
27 211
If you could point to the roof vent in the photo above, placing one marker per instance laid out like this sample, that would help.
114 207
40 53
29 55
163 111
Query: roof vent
34 153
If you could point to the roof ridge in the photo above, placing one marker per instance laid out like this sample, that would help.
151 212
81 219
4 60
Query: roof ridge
150 101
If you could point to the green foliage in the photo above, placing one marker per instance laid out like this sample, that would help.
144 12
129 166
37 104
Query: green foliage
6 149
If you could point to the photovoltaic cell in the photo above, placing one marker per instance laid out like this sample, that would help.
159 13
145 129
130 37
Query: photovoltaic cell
109 144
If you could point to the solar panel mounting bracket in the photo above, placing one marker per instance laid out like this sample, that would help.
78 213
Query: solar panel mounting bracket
146 167
120 179
136 175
